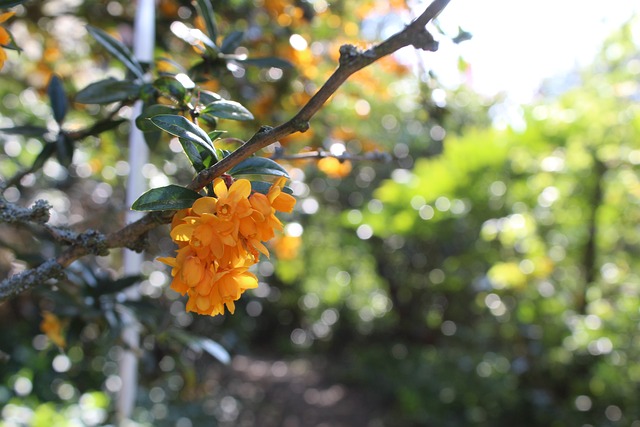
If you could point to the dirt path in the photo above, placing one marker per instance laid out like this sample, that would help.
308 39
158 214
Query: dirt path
291 394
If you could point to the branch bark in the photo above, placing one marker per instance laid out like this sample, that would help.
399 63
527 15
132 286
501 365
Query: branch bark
351 60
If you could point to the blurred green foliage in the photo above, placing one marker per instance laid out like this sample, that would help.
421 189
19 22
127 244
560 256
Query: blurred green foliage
484 277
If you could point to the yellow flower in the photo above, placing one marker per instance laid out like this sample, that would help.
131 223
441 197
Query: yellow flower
5 37
218 239
52 327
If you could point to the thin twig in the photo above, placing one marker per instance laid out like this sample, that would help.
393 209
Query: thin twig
351 60
374 156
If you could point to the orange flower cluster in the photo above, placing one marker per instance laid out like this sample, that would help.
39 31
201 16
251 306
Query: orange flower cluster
219 238
5 37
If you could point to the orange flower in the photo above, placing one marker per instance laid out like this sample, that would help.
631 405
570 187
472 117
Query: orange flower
287 247
52 327
5 37
219 239
334 168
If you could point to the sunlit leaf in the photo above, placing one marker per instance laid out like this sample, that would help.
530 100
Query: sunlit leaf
170 197
171 88
182 128
227 110
206 12
206 97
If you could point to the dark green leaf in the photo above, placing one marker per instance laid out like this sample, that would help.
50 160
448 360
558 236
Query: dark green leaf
152 139
206 97
25 130
46 152
100 127
199 156
227 110
12 43
142 121
258 166
183 128
232 41
266 62
106 287
200 344
206 12
107 91
171 88
216 134
6 4
170 197
64 150
58 98
117 49
264 187
209 119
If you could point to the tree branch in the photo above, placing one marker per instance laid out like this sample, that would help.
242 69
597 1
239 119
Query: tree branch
351 60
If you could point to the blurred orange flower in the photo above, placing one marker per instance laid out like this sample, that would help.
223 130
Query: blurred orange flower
5 37
334 168
52 328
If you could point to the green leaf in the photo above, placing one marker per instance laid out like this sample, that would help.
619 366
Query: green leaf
26 130
266 62
199 157
200 344
210 120
232 41
142 121
42 157
264 187
64 150
171 197
107 91
58 98
258 166
117 49
206 97
216 134
171 88
183 128
100 127
227 110
6 4
107 286
206 12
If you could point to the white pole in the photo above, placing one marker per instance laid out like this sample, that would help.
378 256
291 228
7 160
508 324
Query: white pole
143 45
